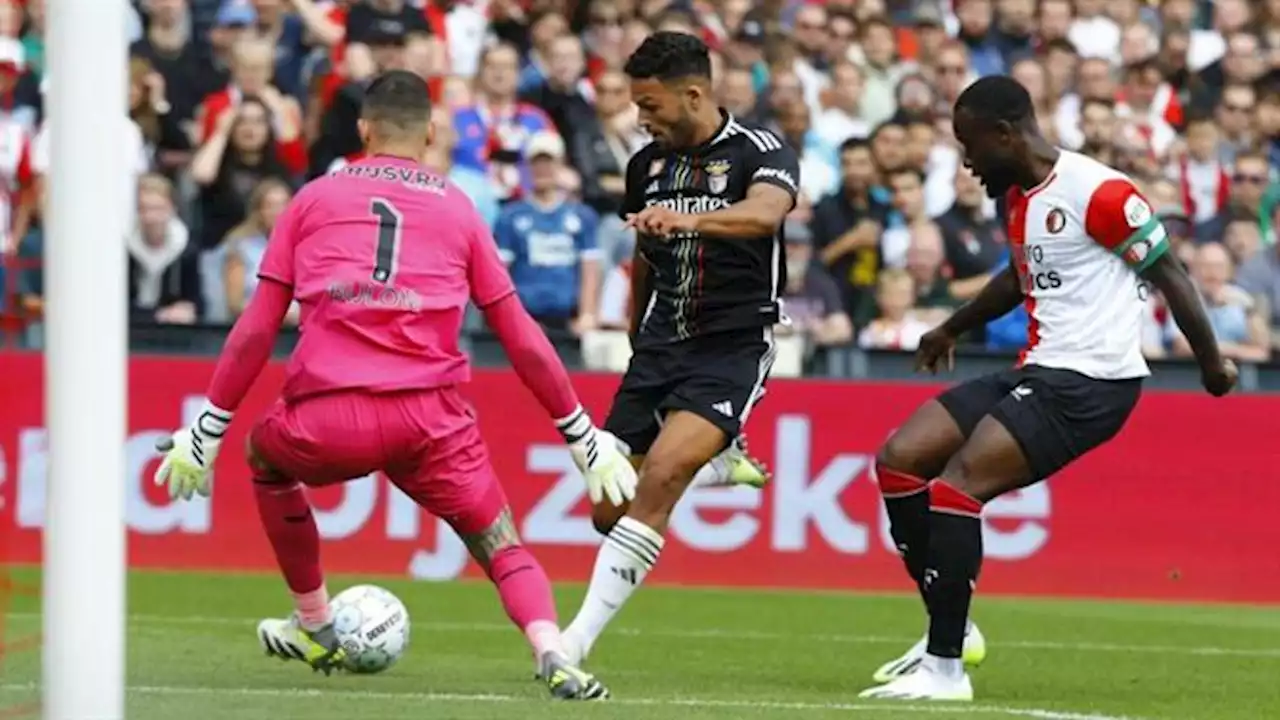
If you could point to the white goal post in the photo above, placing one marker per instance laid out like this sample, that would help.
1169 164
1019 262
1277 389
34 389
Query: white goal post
86 334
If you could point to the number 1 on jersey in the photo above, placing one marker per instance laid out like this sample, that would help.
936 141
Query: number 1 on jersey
389 222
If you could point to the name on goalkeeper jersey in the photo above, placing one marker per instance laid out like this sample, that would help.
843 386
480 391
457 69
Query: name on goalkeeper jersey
375 295
409 177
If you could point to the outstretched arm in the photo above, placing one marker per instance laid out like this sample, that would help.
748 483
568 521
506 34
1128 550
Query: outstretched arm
189 453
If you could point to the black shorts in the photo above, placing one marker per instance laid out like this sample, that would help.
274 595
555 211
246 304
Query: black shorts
1055 415
718 377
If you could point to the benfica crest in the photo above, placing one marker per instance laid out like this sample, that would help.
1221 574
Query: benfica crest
718 175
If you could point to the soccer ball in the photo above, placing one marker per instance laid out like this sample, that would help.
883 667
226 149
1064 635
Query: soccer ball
372 626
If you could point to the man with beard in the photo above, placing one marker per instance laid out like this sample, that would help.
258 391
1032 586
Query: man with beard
707 199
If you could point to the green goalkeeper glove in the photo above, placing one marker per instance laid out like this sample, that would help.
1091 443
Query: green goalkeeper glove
189 454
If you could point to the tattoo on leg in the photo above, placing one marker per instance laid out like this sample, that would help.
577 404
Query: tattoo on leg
499 535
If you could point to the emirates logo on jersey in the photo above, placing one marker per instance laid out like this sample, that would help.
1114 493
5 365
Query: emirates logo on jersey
1055 221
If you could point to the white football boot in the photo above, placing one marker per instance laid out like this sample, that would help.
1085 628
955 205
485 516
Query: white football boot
926 682
288 640
975 651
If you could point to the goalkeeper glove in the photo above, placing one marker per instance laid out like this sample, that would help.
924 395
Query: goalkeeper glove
189 454
601 457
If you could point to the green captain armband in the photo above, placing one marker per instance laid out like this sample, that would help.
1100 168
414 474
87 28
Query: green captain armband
1144 246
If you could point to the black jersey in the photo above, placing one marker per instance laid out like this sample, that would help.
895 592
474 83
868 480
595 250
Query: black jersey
706 285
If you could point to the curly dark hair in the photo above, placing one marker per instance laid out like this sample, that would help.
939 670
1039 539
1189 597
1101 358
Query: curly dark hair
670 56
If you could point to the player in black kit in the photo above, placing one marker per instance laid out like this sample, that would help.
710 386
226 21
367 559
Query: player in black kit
707 199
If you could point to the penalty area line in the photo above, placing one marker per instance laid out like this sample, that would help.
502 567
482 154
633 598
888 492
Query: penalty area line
888 708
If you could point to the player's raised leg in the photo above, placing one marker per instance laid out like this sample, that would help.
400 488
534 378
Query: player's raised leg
453 479
632 547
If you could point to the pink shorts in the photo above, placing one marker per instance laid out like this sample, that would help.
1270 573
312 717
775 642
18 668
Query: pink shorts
427 443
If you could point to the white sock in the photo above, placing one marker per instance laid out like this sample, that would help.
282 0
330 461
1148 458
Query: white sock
627 555
946 667
715 472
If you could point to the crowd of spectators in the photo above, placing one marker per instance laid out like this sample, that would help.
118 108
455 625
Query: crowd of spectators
234 103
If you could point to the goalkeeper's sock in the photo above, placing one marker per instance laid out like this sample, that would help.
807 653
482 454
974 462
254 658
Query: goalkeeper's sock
627 555
525 592
906 501
313 608
954 561
291 528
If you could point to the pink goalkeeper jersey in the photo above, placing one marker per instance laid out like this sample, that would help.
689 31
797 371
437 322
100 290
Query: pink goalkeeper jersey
383 256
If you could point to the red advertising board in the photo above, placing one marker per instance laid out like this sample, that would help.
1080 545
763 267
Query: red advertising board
1181 506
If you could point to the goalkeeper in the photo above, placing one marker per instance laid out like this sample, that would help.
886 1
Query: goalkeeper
383 258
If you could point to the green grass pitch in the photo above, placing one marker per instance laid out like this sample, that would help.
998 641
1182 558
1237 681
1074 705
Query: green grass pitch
683 653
